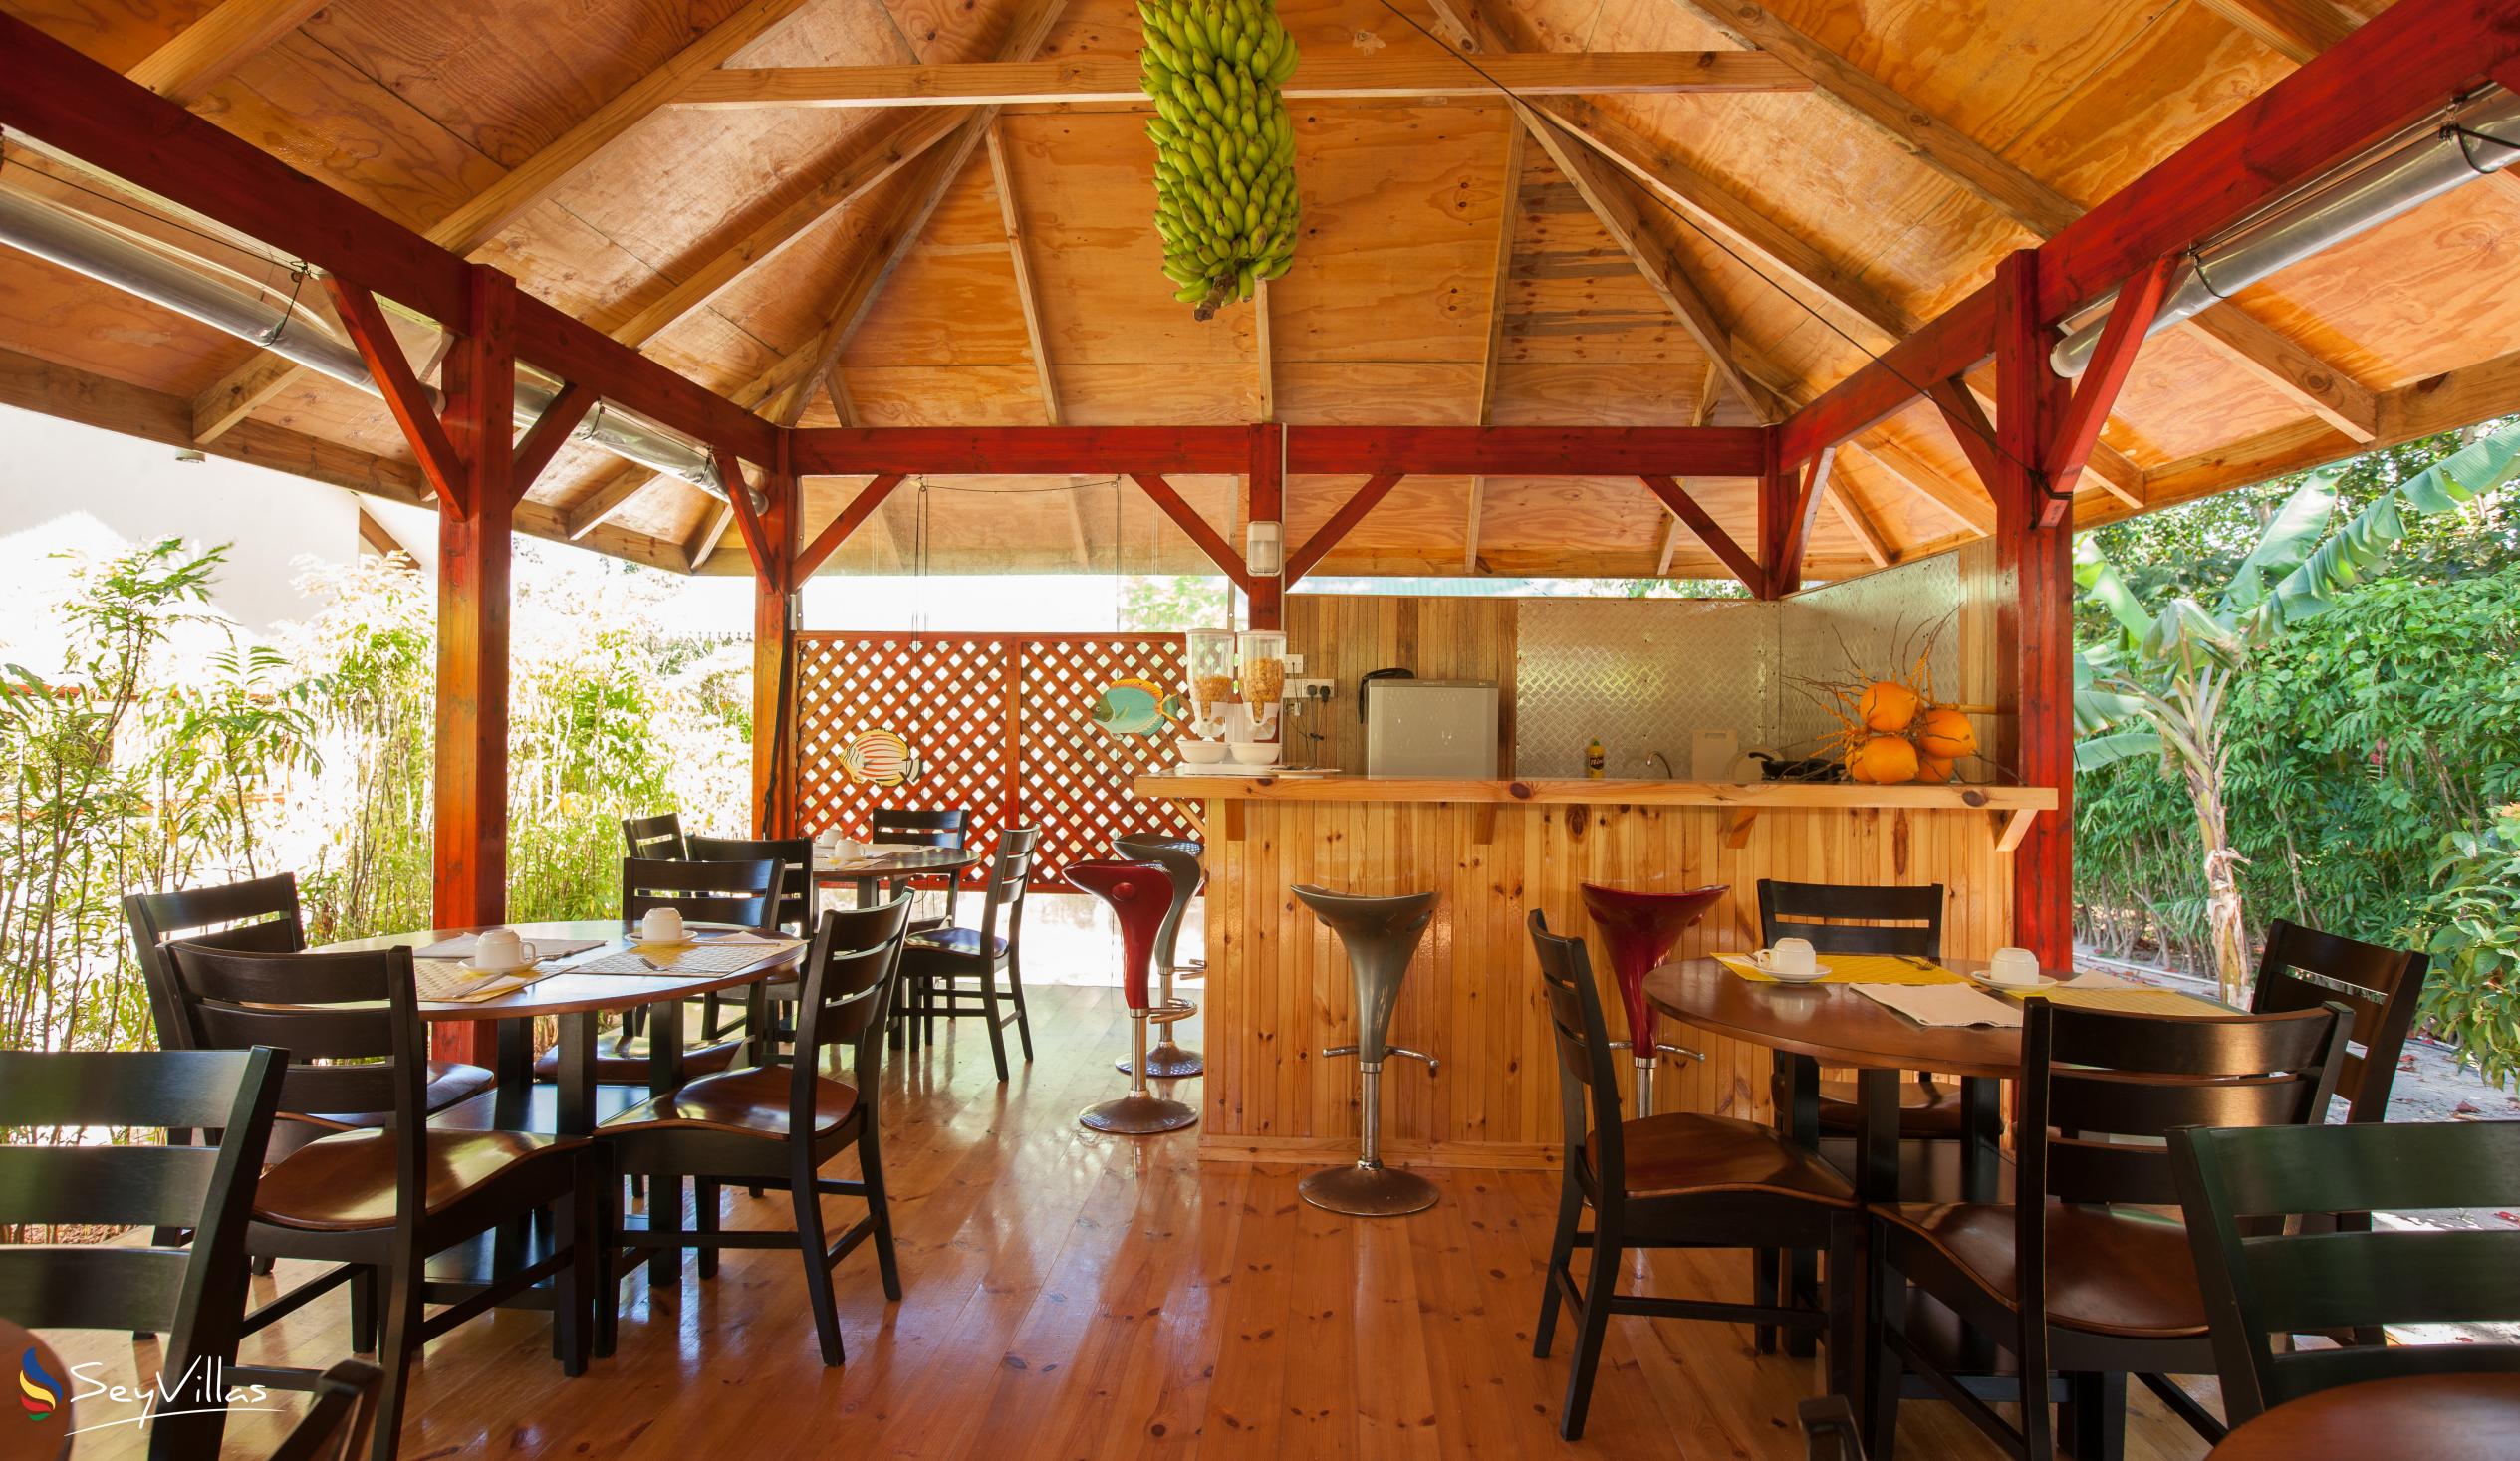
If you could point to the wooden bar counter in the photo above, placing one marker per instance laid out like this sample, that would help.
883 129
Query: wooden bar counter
1277 989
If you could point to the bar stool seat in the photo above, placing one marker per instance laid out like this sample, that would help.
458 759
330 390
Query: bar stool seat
1179 858
1380 936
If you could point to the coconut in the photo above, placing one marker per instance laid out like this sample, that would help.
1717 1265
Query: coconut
1932 769
1888 705
1883 761
1945 734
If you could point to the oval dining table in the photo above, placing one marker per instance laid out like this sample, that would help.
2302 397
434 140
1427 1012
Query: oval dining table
2424 1418
576 1001
870 872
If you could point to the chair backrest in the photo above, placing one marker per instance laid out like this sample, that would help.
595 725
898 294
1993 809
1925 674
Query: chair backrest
2100 1091
1010 882
659 836
259 914
1852 918
2261 1281
843 996
2303 968
742 893
794 856
340 1417
194 1295
1587 1086
358 1011
918 828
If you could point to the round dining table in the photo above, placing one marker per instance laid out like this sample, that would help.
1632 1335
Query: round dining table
2434 1417
869 871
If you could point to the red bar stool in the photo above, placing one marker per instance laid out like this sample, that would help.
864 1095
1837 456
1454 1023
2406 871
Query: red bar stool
1640 927
1179 858
1138 894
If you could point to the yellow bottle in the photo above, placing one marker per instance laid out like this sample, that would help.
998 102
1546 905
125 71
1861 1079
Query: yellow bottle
1595 758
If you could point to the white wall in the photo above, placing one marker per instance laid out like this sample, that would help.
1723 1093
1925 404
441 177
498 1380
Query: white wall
68 488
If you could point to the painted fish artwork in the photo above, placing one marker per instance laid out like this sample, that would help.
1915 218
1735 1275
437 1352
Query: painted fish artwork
1136 708
880 758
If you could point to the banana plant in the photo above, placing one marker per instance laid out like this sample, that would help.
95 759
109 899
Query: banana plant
2157 689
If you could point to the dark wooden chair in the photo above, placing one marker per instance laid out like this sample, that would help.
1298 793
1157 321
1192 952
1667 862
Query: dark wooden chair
2304 969
658 838
952 972
1829 1429
795 912
1674 1180
2076 1278
378 1203
777 1126
2264 1284
341 1421
1848 918
910 827
194 1296
746 895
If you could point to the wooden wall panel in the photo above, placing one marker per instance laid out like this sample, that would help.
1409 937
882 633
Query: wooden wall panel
1278 990
1344 635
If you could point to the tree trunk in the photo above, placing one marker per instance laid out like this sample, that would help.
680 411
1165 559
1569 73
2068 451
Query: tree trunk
2226 930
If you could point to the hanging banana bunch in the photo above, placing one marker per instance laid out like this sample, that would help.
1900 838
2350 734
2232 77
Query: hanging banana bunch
1225 198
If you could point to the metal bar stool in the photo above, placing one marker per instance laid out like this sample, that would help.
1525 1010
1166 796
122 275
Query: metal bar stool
1640 927
1380 936
1138 894
1179 860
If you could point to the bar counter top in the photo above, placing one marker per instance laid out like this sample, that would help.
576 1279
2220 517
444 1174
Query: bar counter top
1578 791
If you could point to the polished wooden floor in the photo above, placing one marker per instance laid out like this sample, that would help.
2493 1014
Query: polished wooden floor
1070 1295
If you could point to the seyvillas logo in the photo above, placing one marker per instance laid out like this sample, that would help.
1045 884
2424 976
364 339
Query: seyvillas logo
39 1390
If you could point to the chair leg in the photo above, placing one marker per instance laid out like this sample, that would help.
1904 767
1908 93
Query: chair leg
817 1270
1882 1377
1845 1259
1763 1269
1593 1329
397 1349
2095 1426
880 1211
997 1032
1023 1014
573 1289
1802 1275
705 1223
1561 1253
607 1294
363 1310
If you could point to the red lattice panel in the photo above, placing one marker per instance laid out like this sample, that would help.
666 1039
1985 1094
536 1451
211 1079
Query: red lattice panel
1003 725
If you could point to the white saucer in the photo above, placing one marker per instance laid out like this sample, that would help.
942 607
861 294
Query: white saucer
2036 982
1817 973
498 973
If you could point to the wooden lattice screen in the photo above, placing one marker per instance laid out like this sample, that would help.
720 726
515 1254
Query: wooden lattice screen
1002 725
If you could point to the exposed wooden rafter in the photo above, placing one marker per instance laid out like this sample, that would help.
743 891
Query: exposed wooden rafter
714 521
1112 78
1264 352
861 508
609 497
202 54
1341 522
1707 387
1501 275
1025 297
1867 533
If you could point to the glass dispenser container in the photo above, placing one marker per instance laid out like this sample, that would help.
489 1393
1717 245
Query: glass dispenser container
1209 667
1262 669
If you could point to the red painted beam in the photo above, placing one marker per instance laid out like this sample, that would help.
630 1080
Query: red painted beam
769 565
407 399
1186 517
1709 532
53 93
1795 516
2406 62
2129 319
1970 427
853 517
1020 450
1526 451
1341 524
548 434
1265 501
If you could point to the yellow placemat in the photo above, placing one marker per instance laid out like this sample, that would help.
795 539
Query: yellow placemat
1853 969
447 981
2130 1001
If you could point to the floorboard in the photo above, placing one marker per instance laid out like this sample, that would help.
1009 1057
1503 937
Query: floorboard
1070 1294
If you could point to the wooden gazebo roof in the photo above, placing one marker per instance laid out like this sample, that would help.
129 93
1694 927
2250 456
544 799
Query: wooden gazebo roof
906 213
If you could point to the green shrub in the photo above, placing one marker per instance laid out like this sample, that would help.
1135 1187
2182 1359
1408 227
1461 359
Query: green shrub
2471 927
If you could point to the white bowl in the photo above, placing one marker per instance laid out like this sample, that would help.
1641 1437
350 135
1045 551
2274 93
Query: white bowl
1201 753
1255 753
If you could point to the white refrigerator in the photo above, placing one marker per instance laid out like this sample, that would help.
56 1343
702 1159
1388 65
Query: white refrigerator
1430 728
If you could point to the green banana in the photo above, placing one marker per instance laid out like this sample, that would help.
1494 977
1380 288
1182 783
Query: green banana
1226 202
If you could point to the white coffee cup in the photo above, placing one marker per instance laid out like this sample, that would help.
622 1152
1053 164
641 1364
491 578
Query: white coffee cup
500 950
661 926
1792 957
2013 966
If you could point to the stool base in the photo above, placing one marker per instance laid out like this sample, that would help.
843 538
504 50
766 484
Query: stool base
1137 1114
1167 1061
1368 1191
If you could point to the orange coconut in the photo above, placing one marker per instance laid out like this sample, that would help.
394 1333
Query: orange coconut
1883 761
1945 734
1888 705
1932 769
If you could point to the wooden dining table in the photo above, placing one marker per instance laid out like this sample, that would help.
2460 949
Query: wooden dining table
578 1001
2431 1418
869 871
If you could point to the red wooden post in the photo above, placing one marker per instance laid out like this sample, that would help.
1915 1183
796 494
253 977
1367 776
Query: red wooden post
474 552
775 616
1268 504
2035 611
1778 483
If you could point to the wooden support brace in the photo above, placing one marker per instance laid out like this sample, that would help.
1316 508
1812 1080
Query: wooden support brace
2011 827
405 397
1739 825
549 432
1970 428
767 563
859 508
1186 517
1709 532
1344 521
1785 572
2129 319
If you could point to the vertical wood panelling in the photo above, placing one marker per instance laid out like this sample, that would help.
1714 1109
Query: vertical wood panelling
1278 989
1344 635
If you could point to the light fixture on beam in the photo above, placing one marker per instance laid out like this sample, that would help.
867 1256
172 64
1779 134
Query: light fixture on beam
1264 547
